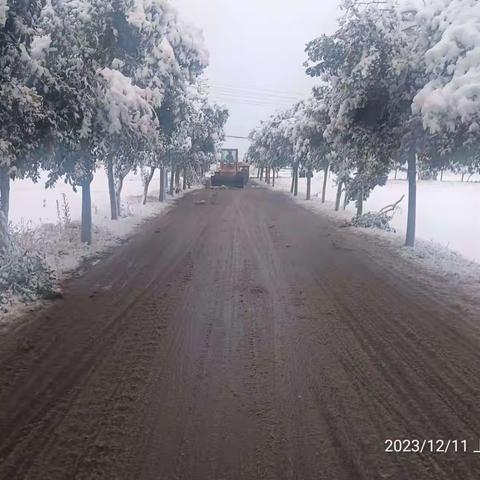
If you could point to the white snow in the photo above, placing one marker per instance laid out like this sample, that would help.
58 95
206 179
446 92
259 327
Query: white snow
40 45
453 93
125 104
3 12
446 224
448 212
41 211
60 243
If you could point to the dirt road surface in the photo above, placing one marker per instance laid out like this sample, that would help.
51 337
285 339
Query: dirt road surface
243 338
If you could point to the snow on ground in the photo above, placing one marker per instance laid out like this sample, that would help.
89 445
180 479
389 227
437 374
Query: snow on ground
32 202
41 213
448 212
448 224
448 227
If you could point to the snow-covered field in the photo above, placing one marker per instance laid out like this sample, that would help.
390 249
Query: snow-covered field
38 208
32 202
38 215
448 212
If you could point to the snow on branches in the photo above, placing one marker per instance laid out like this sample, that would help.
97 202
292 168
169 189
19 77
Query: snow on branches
84 82
3 12
403 85
90 82
125 104
360 62
451 98
21 115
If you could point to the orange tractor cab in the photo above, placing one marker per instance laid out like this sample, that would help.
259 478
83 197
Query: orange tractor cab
231 172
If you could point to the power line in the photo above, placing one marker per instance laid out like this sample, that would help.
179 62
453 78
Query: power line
276 101
263 95
250 102
253 98
259 90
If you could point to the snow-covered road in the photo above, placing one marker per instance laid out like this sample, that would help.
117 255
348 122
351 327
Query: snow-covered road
243 337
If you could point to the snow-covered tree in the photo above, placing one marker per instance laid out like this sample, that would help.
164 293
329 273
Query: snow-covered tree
206 126
361 64
156 49
129 121
176 59
78 49
3 12
376 65
295 137
311 121
272 144
125 67
23 122
404 84
450 100
191 132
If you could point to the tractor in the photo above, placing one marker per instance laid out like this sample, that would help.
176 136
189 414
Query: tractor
231 173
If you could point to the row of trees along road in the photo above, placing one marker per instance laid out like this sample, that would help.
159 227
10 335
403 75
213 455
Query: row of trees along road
117 82
400 84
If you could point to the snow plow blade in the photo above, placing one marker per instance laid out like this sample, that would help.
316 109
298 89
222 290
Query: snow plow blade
237 180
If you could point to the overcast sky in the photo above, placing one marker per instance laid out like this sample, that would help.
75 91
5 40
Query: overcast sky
257 52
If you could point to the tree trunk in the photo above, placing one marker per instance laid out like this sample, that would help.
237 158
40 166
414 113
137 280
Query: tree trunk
339 195
412 199
258 172
345 198
396 172
360 204
177 180
267 175
4 206
463 177
147 184
273 178
86 231
161 196
325 178
309 184
4 192
184 178
111 189
293 179
119 195
441 175
261 173
295 187
172 179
